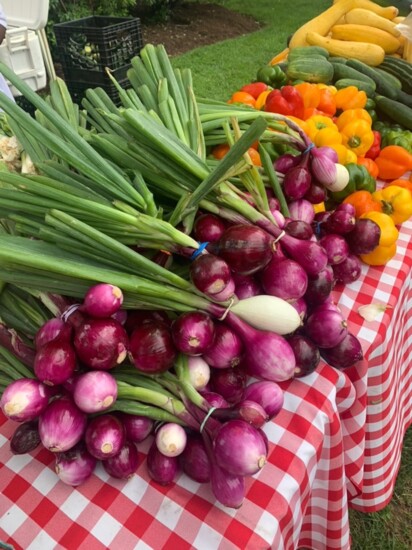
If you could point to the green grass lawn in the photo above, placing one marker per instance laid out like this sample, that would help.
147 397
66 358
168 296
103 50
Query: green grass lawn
220 69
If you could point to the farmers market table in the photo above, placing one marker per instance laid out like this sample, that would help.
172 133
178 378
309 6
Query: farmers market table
336 443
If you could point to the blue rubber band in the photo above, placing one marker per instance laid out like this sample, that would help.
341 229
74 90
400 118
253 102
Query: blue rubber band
308 148
199 250
317 227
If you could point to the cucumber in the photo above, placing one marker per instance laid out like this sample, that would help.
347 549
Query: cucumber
344 71
383 86
398 112
396 83
336 59
404 98
310 70
401 72
309 51
367 87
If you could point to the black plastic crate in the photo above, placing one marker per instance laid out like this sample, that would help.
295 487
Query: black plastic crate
87 46
78 90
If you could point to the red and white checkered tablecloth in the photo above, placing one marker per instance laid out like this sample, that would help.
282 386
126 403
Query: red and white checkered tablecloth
338 439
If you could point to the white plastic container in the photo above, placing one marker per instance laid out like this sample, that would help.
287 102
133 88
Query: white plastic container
32 14
21 52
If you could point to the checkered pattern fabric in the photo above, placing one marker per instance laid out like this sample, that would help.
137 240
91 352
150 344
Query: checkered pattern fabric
336 443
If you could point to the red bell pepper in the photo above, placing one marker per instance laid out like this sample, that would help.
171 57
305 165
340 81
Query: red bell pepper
286 101
375 148
255 88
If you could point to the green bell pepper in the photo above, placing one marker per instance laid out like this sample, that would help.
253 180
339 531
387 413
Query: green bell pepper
359 180
272 75
398 137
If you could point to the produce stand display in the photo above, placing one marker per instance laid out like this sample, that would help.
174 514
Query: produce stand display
197 297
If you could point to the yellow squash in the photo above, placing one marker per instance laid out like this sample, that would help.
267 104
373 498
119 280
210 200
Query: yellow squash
371 54
388 12
359 16
366 33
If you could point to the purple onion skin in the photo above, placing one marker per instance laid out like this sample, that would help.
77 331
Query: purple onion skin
226 293
316 193
301 210
162 469
296 183
364 237
228 489
25 438
286 162
326 327
124 464
101 343
310 255
229 383
193 332
341 222
346 354
246 286
104 436
75 466
327 152
194 460
320 286
61 425
226 350
102 300
210 274
307 354
346 207
137 428
336 248
286 279
268 356
137 318
239 448
348 271
268 394
246 248
215 399
251 412
52 329
95 391
55 362
299 229
24 399
208 228
301 307
151 348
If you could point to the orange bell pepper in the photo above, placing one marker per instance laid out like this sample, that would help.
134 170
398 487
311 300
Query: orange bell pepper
327 103
243 97
350 98
393 162
370 166
406 184
363 202
310 94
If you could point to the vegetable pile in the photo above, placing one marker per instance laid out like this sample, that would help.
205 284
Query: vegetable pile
167 263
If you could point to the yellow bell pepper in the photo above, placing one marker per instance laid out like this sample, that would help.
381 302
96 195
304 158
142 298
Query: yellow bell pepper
327 136
352 114
350 98
396 202
345 155
357 136
386 248
319 122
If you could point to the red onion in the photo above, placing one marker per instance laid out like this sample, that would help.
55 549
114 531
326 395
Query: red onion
349 270
326 327
285 279
171 439
102 300
215 399
105 436
341 222
228 489
124 464
267 355
226 293
302 210
336 248
210 274
199 372
226 350
208 228
55 362
95 391
301 307
229 383
364 237
75 466
296 182
246 248
24 399
326 152
151 348
193 332
345 354
322 166
251 412
101 343
61 425
316 193
194 460
239 448
52 329
310 255
136 318
137 428
320 286
306 353
346 207
246 286
268 394
25 438
286 162
299 229
162 469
